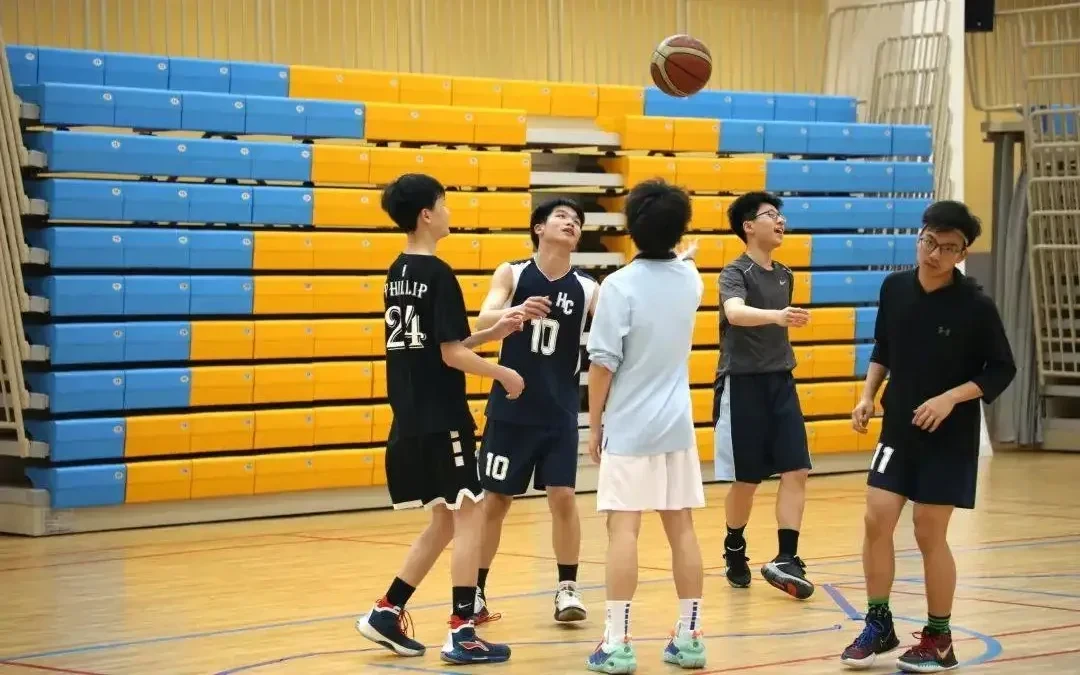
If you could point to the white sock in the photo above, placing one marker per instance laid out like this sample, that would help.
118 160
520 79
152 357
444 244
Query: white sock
617 623
689 616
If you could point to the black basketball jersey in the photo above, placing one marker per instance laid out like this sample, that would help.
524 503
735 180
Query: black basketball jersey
424 308
547 353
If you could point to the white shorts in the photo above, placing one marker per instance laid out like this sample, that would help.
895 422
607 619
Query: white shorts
668 482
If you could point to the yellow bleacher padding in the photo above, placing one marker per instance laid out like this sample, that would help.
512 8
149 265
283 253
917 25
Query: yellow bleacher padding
284 472
826 324
426 123
710 213
639 132
831 436
615 100
348 294
283 251
284 339
696 135
284 295
701 402
704 438
222 385
464 209
343 84
878 410
342 380
222 340
507 127
699 174
505 169
804 362
707 328
505 210
340 164
828 360
378 380
450 167
742 174
222 477
712 252
869 440
532 97
338 425
474 384
794 251
461 251
477 408
574 100
284 428
381 417
612 204
346 337
284 382
496 249
710 295
356 251
703 366
222 431
476 92
378 474
619 243
344 207
159 481
635 169
344 468
827 398
418 88
474 289
151 435
801 296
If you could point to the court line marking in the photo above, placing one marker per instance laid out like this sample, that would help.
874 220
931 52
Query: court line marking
980 587
858 586
48 669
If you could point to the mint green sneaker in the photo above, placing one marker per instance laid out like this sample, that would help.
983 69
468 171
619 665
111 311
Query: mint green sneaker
621 660
687 651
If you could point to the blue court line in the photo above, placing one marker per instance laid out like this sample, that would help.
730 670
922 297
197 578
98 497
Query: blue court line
842 602
960 549
980 587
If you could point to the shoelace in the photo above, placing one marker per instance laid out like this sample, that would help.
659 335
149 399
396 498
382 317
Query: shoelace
405 624
926 648
869 633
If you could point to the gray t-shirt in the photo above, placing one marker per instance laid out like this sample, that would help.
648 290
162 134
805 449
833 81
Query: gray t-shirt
755 349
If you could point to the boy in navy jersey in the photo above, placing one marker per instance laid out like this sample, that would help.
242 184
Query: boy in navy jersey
536 436
431 452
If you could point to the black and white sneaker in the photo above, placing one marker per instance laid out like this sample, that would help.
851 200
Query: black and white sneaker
788 573
738 571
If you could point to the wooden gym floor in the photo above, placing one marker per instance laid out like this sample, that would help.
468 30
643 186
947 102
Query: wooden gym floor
280 596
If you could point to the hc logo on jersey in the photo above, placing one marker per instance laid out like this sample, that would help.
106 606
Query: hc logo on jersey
564 302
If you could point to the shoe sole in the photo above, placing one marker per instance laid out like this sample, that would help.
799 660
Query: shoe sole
471 662
686 663
869 661
571 615
793 586
735 584
367 631
627 670
929 668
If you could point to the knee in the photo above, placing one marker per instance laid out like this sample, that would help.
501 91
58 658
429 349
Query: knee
623 525
929 534
562 502
878 525
794 478
441 526
496 506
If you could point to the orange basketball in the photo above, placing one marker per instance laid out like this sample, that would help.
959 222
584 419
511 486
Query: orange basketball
681 65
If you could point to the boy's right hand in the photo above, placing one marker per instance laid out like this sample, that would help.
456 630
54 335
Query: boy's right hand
792 316
860 416
535 307
512 383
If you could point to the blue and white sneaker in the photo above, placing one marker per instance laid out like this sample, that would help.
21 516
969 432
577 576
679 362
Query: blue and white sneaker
614 659
463 647
386 625
685 649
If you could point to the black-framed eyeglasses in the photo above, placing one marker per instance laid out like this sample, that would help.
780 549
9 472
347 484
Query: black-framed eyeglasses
774 216
931 245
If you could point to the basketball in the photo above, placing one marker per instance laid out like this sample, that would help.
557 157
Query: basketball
681 65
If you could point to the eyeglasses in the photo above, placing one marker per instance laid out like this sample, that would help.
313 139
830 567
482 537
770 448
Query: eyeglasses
931 245
771 215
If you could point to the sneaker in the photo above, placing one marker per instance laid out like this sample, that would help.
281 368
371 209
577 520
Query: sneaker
788 573
685 649
738 571
617 658
933 654
877 637
387 625
481 614
463 647
568 605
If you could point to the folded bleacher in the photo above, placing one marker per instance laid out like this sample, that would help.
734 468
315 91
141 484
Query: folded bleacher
213 296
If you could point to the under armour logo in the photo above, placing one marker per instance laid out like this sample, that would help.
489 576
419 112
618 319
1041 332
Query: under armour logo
564 302
942 330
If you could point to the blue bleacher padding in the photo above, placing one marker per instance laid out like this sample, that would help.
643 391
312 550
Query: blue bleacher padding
908 213
80 247
86 153
280 161
276 116
838 213
867 177
155 248
1045 119
81 486
283 206
80 391
220 204
786 138
199 75
865 318
834 250
849 140
830 288
841 109
912 140
75 104
72 66
220 113
334 119
141 71
862 359
260 79
157 388
221 250
215 158
23 64
165 295
905 249
78 295
81 343
149 341
913 177
211 295
752 105
874 250
742 136
153 109
828 176
80 199
795 107
79 439
705 104
156 202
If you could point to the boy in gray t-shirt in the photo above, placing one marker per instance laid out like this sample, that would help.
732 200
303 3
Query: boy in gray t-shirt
760 430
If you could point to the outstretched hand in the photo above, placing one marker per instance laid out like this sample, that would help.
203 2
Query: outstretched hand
511 322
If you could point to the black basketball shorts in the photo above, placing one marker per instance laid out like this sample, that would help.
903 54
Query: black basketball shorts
511 454
759 428
924 467
431 469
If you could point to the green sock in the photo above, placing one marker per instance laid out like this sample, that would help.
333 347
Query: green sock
879 605
938 624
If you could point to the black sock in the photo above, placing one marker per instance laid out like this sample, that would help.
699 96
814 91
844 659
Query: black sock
399 593
789 542
481 579
734 539
567 573
464 597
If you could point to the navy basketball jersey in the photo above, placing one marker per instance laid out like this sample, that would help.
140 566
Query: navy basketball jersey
547 352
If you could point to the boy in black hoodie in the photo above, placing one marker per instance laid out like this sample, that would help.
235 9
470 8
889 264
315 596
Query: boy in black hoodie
940 340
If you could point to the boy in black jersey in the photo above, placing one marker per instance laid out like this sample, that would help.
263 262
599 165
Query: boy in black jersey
536 436
941 341
431 452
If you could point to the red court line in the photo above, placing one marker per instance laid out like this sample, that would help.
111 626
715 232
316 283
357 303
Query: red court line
48 669
1054 516
1027 657
963 597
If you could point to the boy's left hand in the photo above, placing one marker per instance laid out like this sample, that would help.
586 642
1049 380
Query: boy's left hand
596 438
933 412
690 251
511 322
